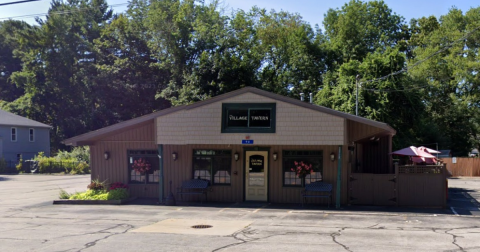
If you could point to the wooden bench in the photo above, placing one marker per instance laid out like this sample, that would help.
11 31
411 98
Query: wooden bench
193 186
317 189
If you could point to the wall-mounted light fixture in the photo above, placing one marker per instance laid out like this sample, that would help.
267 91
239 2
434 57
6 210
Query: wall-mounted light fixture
275 156
106 155
174 156
235 156
332 156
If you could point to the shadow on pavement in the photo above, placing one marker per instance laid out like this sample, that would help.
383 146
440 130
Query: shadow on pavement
461 201
4 178
298 207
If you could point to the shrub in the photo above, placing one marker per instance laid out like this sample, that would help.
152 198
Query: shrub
19 166
64 161
3 165
118 194
81 168
50 165
80 154
117 185
90 195
97 185
63 194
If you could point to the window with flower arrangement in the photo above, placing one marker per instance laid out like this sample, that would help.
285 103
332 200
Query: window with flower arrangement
143 166
298 166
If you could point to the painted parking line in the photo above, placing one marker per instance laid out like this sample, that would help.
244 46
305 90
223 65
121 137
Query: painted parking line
258 209
454 212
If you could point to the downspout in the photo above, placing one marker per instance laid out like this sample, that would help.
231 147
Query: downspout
339 177
160 181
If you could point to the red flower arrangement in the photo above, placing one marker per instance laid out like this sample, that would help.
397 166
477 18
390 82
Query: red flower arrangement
302 169
117 185
141 165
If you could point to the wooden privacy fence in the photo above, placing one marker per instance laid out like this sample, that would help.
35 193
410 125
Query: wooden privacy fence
412 185
421 185
465 166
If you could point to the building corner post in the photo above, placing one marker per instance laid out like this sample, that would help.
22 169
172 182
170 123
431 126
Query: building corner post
339 177
160 181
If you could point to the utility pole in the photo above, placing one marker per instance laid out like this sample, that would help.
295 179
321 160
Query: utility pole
356 100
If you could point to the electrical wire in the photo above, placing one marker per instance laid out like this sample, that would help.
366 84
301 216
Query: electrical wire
406 69
18 2
58 12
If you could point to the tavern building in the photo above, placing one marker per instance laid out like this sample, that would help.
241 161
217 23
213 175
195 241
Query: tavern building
245 144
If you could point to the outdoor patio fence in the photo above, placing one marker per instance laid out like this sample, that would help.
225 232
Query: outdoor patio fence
465 166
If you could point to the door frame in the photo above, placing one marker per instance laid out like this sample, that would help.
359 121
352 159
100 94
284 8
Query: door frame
256 148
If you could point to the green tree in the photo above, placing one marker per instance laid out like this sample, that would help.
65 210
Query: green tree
9 38
448 53
59 67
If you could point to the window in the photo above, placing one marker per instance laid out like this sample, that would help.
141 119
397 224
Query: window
14 134
315 158
32 135
248 117
145 158
213 165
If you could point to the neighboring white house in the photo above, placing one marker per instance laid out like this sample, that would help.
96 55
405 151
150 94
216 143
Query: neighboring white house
22 138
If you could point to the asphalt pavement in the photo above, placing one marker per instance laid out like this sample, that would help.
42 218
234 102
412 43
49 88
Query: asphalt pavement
30 222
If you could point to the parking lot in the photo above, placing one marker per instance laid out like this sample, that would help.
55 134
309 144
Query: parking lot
30 222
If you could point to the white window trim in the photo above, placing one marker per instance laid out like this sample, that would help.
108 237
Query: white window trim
29 139
16 134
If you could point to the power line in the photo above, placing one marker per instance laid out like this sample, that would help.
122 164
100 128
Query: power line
58 12
18 2
406 69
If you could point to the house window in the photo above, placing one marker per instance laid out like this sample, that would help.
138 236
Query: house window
314 158
14 134
147 159
213 165
32 135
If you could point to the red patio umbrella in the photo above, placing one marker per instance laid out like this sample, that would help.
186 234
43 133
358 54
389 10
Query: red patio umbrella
428 150
424 160
412 151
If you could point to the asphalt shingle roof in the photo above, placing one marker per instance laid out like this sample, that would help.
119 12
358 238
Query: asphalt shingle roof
7 118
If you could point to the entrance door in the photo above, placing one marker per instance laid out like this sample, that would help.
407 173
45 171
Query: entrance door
256 169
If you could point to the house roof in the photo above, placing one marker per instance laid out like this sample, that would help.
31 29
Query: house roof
444 153
139 120
9 119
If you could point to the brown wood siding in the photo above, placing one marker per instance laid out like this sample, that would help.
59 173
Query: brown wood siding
115 169
358 131
465 166
142 133
181 169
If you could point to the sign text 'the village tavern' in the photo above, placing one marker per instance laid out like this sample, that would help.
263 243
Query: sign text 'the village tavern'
248 117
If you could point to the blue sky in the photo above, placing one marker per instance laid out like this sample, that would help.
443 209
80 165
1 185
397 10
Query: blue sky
311 10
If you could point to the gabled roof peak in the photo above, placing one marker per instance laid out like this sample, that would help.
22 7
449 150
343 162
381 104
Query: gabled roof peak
10 119
130 123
